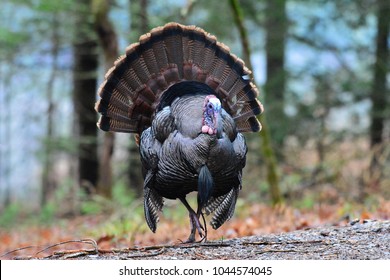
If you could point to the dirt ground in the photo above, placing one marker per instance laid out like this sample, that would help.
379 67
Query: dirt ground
358 240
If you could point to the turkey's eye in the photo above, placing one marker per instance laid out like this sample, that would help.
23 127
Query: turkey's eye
210 106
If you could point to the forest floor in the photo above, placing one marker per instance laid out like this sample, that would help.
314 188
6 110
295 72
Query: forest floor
257 232
367 240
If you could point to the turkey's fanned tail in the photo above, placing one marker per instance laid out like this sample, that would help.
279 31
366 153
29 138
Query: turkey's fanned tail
167 55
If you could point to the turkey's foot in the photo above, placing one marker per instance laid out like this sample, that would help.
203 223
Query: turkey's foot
196 226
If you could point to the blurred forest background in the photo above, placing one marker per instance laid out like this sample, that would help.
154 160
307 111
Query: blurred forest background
323 70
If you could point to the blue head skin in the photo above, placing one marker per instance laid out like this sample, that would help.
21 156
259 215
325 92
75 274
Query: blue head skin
211 115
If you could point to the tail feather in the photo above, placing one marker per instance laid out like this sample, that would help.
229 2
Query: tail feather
246 110
173 46
147 52
153 203
222 207
225 210
157 44
167 55
251 124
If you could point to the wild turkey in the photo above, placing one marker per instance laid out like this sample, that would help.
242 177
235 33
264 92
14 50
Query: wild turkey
189 99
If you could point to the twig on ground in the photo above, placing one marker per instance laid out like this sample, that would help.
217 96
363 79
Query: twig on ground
88 241
19 249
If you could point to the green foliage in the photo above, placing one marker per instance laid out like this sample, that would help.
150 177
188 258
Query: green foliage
307 202
10 215
91 207
10 41
48 213
122 195
49 6
124 222
125 212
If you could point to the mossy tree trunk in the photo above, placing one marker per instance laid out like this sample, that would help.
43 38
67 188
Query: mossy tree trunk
139 10
267 150
379 92
276 31
109 44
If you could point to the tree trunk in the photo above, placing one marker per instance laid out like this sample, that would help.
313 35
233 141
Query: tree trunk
276 30
84 97
141 26
267 150
48 180
5 134
379 92
139 13
379 95
144 20
109 43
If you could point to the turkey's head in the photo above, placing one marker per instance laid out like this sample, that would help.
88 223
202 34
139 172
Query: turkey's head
211 115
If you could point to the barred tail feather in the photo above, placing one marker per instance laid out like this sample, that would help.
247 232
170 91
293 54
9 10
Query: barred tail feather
222 206
153 204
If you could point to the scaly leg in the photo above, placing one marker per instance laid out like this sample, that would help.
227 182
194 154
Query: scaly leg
195 223
198 214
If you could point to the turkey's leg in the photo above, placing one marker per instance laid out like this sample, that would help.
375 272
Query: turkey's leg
195 223
198 214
